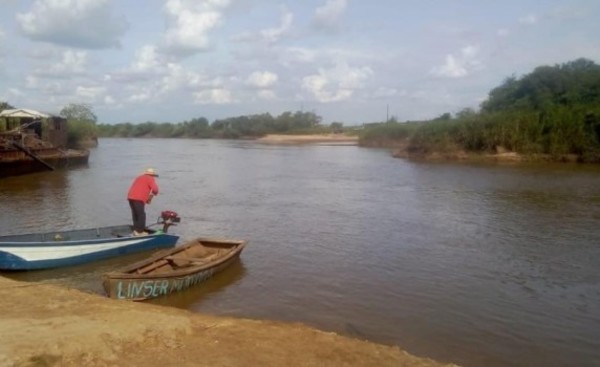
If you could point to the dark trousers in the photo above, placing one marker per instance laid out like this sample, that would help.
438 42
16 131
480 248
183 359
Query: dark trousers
138 214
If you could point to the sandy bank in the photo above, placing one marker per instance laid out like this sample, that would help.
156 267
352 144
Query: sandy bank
510 157
500 156
46 325
330 139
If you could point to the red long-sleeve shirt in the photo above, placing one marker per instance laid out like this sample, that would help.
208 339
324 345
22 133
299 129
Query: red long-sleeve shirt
141 188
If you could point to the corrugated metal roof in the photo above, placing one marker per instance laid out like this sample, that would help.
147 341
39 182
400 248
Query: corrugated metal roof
24 112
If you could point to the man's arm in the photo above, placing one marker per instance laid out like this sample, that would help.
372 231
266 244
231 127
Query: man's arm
153 186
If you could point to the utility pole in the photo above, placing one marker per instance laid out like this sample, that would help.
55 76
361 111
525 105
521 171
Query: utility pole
387 115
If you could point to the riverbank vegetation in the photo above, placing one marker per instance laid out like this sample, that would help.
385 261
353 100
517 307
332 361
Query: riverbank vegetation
240 127
552 113
81 124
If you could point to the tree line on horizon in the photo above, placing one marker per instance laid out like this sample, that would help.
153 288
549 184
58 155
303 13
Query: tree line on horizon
553 111
247 126
84 127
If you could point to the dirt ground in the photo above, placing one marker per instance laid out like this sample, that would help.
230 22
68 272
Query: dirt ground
47 325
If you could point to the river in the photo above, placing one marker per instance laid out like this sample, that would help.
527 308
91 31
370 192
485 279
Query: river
480 265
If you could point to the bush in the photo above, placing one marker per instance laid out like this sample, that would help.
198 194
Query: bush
79 132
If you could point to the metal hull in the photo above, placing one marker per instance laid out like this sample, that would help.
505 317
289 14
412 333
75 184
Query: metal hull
49 251
15 163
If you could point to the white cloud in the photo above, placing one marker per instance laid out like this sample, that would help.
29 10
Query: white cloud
273 35
317 84
90 93
281 59
139 97
528 20
109 100
74 23
213 96
503 32
329 14
146 58
298 54
385 92
11 93
178 78
267 94
72 62
50 89
148 79
262 79
452 68
31 81
245 36
458 66
1 43
469 52
148 65
189 23
196 80
337 83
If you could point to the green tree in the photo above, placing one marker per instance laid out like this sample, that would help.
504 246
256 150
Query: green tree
197 128
81 124
80 112
466 113
568 84
444 117
5 106
336 127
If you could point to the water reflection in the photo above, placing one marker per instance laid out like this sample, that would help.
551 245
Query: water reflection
46 193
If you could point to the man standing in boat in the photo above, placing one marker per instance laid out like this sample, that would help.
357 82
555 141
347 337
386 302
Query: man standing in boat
141 192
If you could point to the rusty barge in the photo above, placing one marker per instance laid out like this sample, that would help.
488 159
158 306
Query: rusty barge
32 141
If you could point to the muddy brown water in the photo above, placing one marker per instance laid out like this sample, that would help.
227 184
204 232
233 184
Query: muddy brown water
480 265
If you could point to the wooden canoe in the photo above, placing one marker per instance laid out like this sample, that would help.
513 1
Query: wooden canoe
172 270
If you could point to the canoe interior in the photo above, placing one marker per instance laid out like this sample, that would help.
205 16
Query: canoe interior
72 235
196 254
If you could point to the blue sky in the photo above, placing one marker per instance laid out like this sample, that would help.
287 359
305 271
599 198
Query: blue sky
346 60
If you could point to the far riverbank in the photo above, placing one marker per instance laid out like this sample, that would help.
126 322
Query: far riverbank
330 139
401 148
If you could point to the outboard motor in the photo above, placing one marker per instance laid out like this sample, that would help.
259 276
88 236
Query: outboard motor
168 218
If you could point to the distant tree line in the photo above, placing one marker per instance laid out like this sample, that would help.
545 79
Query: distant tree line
85 130
553 111
249 126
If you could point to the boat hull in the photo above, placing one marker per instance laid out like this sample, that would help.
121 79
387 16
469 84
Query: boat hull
15 163
127 284
44 252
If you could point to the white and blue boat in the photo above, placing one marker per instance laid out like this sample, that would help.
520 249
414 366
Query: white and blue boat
74 247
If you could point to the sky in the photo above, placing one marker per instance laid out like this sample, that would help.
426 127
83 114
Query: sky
350 61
